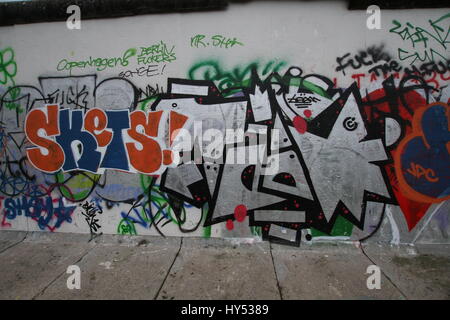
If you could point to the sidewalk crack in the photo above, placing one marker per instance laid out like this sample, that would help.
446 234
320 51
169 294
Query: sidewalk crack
275 270
15 244
62 273
387 277
168 271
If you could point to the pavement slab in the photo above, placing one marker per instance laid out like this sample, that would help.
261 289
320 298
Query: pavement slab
120 269
420 273
34 266
29 267
217 269
327 271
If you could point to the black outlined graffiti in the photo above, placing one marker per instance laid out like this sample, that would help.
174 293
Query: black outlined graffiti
314 143
90 212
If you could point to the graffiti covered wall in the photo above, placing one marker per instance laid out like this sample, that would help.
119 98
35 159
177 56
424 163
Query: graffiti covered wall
288 122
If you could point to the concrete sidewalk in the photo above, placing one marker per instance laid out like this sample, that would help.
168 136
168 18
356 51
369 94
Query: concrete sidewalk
118 267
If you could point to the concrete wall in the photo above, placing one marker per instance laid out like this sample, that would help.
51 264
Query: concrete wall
355 121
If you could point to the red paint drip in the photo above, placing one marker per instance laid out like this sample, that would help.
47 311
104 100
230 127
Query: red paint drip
300 124
240 212
230 224
307 113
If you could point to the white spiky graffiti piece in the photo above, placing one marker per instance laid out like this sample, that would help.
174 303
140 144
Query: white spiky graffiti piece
340 166
260 105
291 103
232 194
283 140
178 179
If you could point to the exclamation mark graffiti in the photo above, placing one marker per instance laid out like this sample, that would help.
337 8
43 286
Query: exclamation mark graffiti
176 122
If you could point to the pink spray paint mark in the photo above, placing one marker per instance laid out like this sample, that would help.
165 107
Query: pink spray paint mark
240 212
230 224
4 223
300 124
307 113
